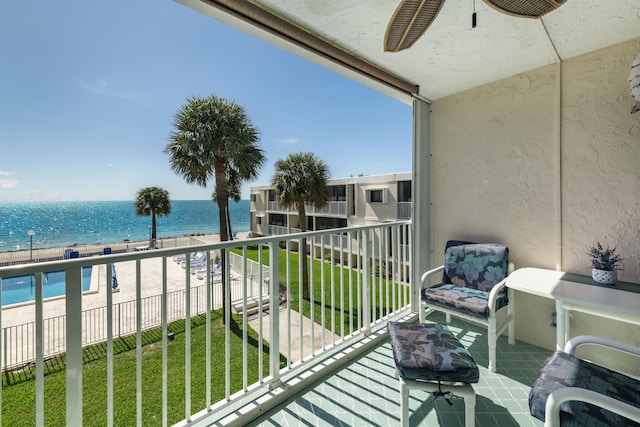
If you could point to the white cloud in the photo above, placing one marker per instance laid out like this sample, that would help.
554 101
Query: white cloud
8 183
103 87
6 173
289 141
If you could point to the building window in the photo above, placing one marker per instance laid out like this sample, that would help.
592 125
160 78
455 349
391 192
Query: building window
404 191
377 196
259 220
253 197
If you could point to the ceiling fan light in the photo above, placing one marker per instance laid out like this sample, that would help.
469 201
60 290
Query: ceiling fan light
525 8
410 20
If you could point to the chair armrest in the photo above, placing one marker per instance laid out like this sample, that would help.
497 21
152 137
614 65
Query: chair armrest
493 295
572 345
497 288
561 395
426 275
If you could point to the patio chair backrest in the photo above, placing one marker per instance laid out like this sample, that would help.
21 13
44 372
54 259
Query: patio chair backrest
478 266
450 243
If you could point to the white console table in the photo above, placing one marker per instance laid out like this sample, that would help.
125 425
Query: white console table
574 292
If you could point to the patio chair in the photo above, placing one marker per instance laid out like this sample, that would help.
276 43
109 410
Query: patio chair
216 271
578 392
473 288
197 259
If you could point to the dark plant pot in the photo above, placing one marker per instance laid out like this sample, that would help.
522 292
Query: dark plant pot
605 277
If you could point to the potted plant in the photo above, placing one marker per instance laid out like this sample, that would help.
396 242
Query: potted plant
604 263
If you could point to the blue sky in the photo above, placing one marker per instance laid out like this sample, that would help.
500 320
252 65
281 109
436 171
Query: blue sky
89 89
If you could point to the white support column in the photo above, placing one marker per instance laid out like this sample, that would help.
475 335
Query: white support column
421 256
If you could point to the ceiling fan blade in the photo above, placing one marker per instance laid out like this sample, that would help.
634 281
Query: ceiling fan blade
525 8
410 20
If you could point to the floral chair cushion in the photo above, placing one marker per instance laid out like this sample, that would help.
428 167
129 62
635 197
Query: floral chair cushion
470 272
563 370
430 352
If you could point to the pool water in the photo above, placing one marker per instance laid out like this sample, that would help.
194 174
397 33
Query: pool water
20 289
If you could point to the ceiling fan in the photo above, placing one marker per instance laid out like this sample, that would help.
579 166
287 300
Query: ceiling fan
413 17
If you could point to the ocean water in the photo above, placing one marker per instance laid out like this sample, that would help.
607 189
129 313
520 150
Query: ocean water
59 224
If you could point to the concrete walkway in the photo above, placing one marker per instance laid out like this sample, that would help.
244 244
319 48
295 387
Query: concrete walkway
292 324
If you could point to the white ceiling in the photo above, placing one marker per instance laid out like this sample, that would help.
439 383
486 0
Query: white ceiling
452 56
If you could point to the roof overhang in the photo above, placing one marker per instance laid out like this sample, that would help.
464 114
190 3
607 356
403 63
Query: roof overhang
347 36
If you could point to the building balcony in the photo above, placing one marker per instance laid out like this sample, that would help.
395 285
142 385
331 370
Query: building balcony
277 207
404 210
281 230
187 368
331 208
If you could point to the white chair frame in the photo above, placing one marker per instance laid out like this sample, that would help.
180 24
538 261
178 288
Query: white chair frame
561 395
493 329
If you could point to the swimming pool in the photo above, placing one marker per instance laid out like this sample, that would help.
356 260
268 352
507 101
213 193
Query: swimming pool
20 289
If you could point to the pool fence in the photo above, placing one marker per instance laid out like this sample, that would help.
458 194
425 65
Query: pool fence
19 341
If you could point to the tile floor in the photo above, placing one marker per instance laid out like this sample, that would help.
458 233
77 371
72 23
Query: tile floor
365 392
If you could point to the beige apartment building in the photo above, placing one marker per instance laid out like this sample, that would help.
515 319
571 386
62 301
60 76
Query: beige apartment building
358 200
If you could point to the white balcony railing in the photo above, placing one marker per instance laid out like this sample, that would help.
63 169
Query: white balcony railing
280 230
277 207
331 208
362 283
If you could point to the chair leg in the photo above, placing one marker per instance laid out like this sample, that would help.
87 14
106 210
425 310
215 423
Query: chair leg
466 391
470 408
491 341
404 404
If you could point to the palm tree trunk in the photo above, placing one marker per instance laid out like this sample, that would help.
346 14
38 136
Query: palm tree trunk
302 218
229 230
152 242
222 200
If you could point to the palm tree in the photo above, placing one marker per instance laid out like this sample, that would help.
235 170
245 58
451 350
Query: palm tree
152 201
299 179
233 190
213 138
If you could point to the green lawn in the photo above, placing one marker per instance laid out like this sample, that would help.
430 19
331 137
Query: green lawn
342 296
18 394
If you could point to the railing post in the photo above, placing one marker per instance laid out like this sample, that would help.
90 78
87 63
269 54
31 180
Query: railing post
366 282
39 338
5 359
274 314
74 345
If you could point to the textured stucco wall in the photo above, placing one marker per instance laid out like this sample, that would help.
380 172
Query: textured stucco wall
547 162
600 159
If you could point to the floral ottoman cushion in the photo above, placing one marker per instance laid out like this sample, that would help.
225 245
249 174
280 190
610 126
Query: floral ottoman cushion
430 352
